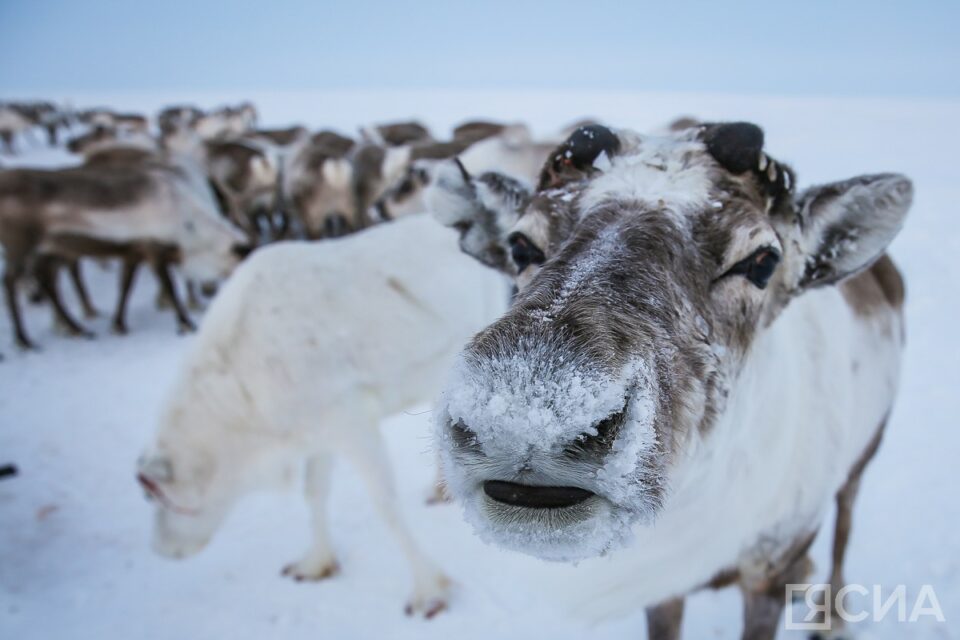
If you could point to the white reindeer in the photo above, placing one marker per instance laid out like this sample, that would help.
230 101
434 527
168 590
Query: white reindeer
303 352
697 361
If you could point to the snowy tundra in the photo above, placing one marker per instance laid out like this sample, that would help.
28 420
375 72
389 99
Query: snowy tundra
301 355
698 360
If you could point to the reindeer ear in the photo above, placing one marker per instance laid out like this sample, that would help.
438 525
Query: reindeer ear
451 197
848 225
574 158
482 210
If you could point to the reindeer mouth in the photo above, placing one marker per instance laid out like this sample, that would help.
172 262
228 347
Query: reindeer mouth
535 496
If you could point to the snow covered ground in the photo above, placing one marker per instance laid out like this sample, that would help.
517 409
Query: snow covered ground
74 557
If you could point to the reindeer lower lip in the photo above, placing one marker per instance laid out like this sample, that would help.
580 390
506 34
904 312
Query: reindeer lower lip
535 496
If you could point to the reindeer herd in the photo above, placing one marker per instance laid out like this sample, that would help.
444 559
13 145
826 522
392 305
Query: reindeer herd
193 192
696 358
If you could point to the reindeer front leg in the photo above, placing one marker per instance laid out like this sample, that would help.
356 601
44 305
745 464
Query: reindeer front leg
193 300
161 268
764 596
89 311
131 263
665 620
46 270
319 562
841 535
431 590
13 271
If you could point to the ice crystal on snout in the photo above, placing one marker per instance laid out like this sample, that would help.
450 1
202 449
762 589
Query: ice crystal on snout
633 449
525 412
533 399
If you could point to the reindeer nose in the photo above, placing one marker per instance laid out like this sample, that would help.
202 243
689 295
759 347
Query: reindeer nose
534 496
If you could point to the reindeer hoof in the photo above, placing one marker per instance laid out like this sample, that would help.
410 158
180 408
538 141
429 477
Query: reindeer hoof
428 609
27 345
120 328
429 600
185 328
305 571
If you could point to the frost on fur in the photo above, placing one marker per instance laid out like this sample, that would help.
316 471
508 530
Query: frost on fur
532 405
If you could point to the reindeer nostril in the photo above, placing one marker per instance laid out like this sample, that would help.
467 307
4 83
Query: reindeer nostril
462 435
607 431
533 496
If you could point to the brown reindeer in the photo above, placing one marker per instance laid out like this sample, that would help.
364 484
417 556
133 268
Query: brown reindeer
160 209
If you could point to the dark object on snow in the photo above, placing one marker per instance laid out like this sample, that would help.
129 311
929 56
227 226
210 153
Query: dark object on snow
7 471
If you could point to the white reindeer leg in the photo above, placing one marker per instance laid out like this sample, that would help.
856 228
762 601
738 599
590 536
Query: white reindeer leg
430 586
319 561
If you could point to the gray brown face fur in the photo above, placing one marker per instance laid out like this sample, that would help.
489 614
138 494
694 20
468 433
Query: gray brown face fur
646 267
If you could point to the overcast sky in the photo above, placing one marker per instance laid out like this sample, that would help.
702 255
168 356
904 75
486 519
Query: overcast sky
838 47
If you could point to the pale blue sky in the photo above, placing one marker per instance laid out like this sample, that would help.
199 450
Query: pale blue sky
839 47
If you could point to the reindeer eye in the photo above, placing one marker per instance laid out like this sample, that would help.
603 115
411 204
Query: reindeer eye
523 252
758 268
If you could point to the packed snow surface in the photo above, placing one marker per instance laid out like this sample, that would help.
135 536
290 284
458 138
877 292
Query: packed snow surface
74 554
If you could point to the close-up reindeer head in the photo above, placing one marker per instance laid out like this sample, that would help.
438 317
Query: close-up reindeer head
652 272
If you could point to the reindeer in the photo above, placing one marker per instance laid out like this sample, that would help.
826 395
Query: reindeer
12 123
331 183
46 115
177 118
396 134
335 143
476 130
246 180
156 208
226 122
249 403
510 150
278 137
109 119
317 187
102 138
694 345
